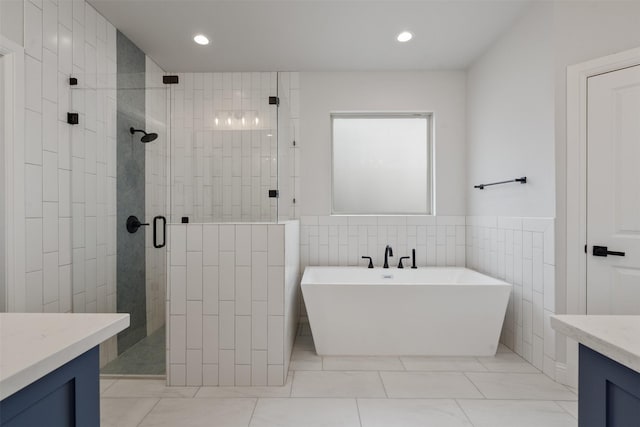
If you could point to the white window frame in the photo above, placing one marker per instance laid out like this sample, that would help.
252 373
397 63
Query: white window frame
430 157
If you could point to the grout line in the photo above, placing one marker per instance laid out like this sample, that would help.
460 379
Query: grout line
463 411
358 409
383 386
255 405
109 386
149 411
474 384
293 377
565 409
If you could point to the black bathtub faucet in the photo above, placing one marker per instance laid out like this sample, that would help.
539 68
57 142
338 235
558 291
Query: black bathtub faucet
370 261
388 251
400 263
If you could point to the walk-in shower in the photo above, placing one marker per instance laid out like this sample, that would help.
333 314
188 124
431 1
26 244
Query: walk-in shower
218 156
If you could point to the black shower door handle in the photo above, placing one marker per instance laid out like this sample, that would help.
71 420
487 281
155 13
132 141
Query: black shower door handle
155 232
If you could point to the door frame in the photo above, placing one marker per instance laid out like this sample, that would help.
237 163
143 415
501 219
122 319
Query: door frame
13 59
576 218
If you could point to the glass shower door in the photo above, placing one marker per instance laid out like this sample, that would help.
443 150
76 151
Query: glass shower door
117 161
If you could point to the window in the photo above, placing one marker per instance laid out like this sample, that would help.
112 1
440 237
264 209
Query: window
381 164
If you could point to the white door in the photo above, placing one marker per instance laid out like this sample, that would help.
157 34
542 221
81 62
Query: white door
613 192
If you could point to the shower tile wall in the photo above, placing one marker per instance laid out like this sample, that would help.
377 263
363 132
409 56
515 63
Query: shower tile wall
223 168
521 252
233 303
69 170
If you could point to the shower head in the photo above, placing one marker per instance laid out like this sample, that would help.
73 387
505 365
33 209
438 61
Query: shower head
147 137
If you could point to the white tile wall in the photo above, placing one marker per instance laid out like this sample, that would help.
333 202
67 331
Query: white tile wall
343 240
223 168
233 303
521 252
70 266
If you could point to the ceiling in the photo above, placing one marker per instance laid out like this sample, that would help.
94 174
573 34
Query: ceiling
311 35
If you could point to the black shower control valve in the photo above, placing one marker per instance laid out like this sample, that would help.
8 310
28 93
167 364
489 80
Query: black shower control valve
370 261
185 220
133 224
400 263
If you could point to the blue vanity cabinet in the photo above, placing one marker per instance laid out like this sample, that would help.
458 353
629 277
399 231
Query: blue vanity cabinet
609 393
68 396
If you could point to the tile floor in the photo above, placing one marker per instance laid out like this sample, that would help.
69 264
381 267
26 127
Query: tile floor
500 391
146 357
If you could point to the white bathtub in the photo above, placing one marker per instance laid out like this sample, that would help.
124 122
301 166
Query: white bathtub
356 311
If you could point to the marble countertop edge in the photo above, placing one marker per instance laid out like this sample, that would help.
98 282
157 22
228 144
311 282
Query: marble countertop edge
616 337
18 375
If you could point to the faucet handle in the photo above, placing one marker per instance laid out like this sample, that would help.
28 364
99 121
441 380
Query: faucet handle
400 263
370 261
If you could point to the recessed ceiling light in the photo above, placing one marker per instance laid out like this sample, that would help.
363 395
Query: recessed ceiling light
404 36
201 39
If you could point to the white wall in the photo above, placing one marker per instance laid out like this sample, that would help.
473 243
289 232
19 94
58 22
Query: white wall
12 21
517 113
442 93
510 131
583 31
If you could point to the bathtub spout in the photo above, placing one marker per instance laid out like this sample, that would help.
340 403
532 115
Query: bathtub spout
388 251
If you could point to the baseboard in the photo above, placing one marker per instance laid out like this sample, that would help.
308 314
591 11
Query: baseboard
562 374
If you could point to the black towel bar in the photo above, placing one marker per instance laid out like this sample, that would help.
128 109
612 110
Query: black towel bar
522 180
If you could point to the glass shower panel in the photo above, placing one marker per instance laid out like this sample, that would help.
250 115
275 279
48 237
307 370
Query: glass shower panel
224 147
287 145
118 161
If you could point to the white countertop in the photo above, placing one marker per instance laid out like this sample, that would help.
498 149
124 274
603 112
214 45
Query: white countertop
35 344
617 337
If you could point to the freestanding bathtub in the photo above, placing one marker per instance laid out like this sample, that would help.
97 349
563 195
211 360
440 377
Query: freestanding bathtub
429 311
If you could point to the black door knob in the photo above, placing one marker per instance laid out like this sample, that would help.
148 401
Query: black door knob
604 251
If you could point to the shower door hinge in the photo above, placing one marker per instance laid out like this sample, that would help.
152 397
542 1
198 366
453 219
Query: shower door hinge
274 100
294 142
73 118
73 81
274 193
170 80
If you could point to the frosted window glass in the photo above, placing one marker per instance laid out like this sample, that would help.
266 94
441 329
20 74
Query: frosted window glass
381 164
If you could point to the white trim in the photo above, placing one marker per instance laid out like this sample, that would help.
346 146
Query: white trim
576 233
577 76
14 173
